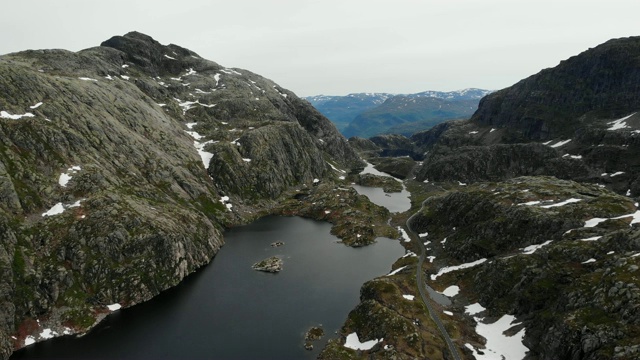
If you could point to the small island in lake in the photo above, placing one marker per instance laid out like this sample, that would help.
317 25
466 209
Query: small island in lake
277 244
313 334
272 265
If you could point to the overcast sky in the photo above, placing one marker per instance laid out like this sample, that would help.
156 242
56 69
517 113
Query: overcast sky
336 47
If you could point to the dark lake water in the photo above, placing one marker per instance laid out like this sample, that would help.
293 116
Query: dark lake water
229 311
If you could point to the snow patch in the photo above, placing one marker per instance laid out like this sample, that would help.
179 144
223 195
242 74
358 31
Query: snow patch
396 271
36 105
55 210
409 297
169 57
451 291
59 208
530 203
499 345
186 105
572 156
87 79
64 178
204 155
619 124
48 334
532 248
6 115
448 269
560 143
404 234
230 71
592 238
353 342
474 309
589 261
335 168
595 221
114 307
29 340
569 201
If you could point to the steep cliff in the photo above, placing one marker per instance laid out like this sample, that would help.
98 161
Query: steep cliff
603 82
121 164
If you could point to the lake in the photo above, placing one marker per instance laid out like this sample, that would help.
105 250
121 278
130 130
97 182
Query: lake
229 311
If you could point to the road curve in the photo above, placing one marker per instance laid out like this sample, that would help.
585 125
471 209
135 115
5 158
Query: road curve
426 299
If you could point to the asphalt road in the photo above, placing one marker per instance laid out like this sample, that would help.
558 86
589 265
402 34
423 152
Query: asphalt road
423 293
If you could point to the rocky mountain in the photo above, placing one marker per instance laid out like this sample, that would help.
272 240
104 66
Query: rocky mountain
370 114
121 164
575 121
406 115
531 209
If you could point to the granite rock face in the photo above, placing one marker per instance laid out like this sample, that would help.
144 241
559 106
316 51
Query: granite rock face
119 169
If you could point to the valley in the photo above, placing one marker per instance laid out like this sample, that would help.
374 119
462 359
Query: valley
125 170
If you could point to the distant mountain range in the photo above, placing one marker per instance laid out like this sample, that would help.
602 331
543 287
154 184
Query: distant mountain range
370 114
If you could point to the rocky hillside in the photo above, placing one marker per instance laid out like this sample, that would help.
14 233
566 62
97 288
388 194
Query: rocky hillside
121 164
560 256
531 210
576 121
600 83
370 114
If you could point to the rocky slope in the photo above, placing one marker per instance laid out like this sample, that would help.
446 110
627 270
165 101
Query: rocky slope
562 257
121 164
532 213
577 121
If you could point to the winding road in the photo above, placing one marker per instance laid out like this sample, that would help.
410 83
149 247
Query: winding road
423 293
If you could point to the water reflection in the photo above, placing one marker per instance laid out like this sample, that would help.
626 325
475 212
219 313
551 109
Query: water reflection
229 311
